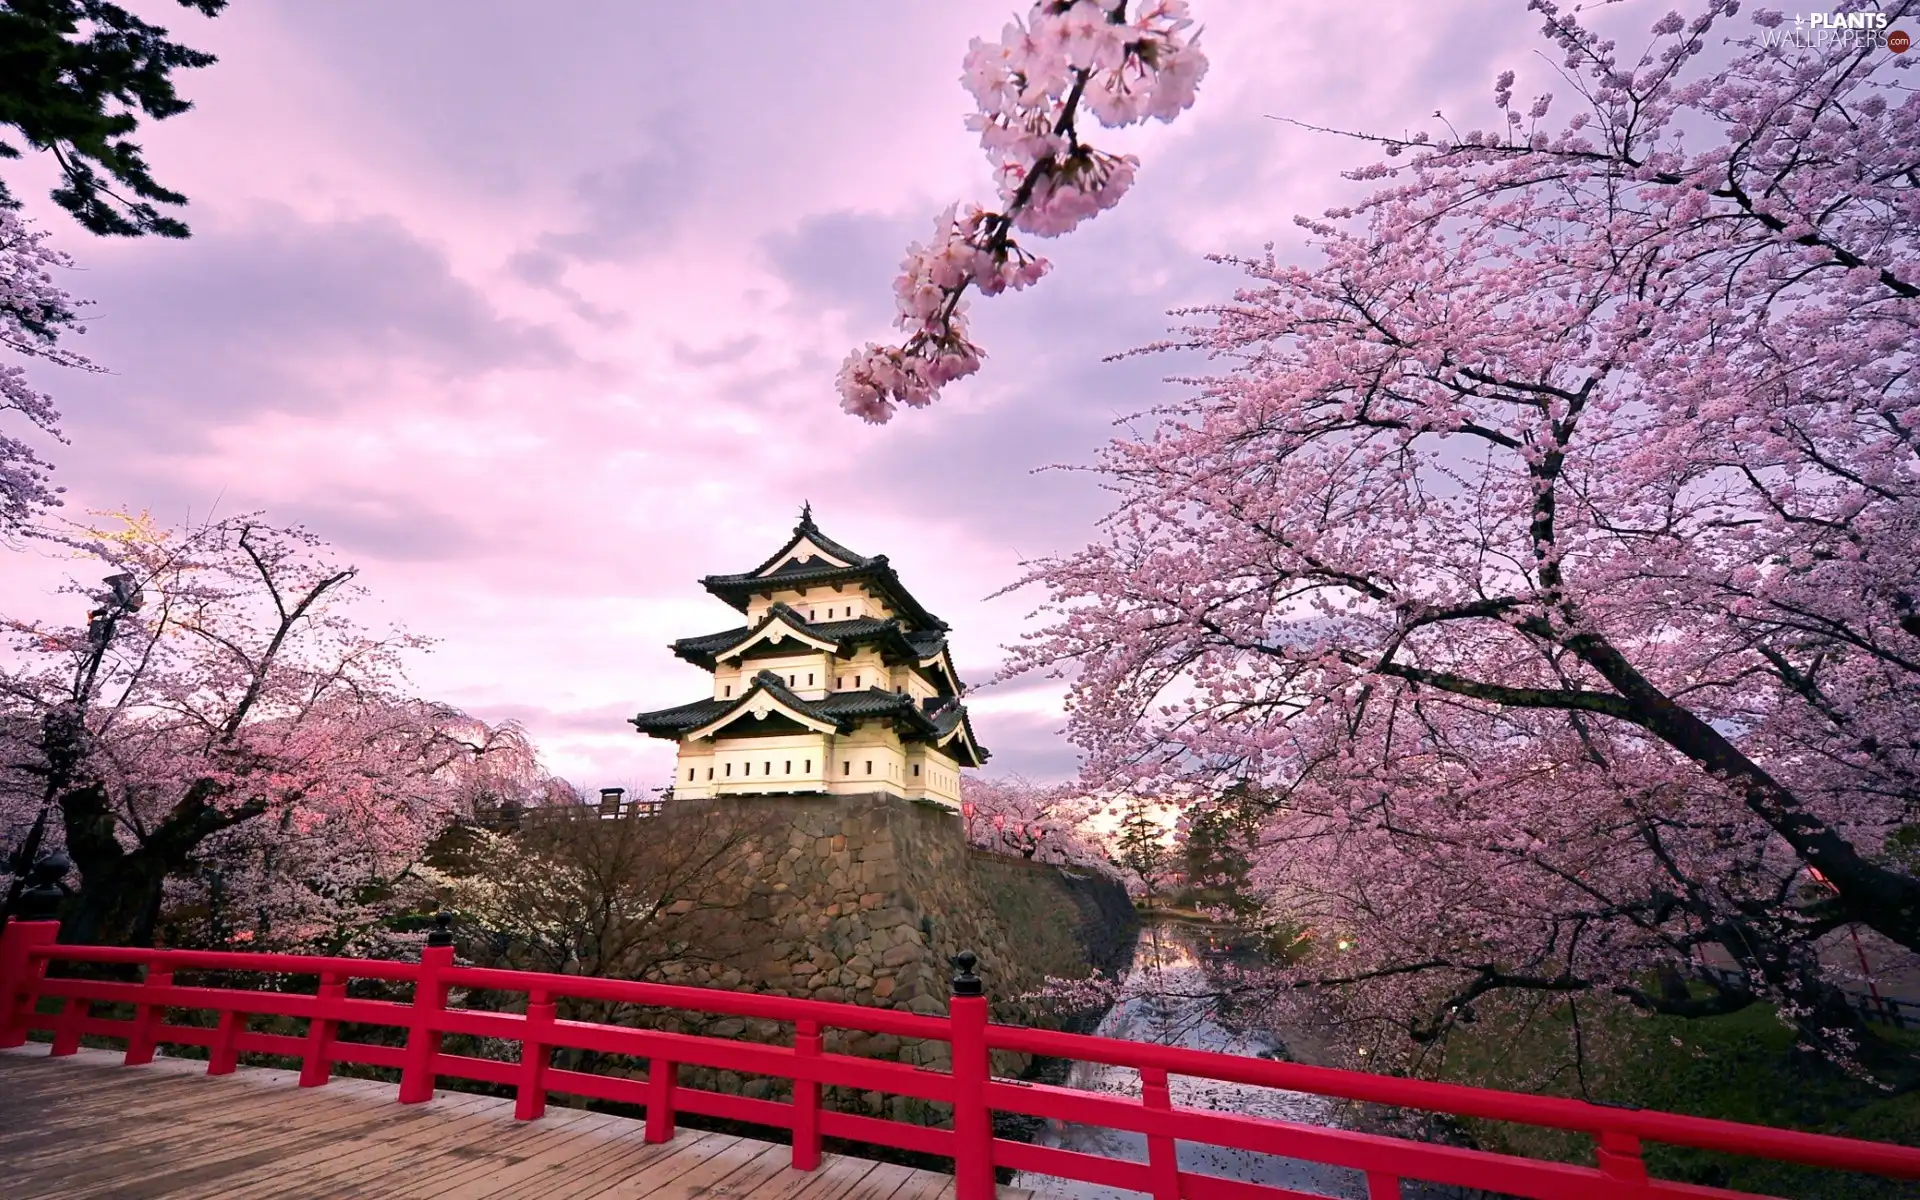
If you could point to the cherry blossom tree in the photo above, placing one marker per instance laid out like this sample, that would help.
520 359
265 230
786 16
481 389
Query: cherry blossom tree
1042 823
226 733
1545 546
78 77
34 312
1031 87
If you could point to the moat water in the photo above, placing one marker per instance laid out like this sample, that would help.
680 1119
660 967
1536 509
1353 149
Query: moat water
1164 999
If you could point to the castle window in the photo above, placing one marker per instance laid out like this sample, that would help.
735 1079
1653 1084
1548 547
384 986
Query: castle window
709 772
809 767
857 679
916 770
746 768
789 681
728 691
869 766
689 774
767 768
809 678
729 770
846 768
789 768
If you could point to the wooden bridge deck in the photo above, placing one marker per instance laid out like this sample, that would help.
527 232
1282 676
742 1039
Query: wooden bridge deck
86 1126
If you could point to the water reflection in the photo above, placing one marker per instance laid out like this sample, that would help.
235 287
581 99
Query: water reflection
1166 998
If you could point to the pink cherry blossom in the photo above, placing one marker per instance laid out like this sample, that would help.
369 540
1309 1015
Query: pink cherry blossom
243 748
1029 87
1542 551
33 313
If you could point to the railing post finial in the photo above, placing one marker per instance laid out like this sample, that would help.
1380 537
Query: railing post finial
442 934
965 982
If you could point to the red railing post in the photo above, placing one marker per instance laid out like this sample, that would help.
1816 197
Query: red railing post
316 1066
1619 1159
530 1098
225 1055
66 1032
971 1068
20 976
1383 1187
662 1078
806 1099
1163 1159
429 998
148 1016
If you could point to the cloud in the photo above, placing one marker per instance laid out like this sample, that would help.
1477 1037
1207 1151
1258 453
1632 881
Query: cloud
845 261
618 212
730 351
1027 744
387 525
279 313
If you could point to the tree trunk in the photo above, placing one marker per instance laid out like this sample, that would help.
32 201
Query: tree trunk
119 902
120 889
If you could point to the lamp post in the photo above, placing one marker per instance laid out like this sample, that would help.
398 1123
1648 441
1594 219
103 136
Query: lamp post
63 730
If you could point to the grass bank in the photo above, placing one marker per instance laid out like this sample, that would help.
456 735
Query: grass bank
1740 1067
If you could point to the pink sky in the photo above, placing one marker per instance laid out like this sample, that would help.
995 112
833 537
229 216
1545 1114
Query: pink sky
482 296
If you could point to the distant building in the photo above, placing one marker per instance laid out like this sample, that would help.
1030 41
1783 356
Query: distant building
839 683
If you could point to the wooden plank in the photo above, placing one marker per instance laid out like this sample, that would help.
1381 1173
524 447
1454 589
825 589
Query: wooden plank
509 1143
131 1098
50 1085
882 1182
405 1141
246 1125
773 1161
199 1114
679 1174
85 1126
925 1185
836 1177
733 1173
619 1151
196 1151
390 1152
687 1150
550 1160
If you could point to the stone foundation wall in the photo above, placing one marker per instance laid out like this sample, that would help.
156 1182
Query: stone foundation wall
864 899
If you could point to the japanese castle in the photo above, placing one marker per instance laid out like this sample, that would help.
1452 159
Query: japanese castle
839 683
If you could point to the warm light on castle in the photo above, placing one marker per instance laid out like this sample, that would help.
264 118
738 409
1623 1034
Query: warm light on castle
839 683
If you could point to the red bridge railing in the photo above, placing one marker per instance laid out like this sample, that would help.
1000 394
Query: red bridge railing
27 949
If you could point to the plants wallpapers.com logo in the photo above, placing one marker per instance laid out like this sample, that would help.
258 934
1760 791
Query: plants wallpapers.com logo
1829 29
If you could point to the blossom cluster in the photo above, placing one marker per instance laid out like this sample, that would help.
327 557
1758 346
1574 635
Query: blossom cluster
1029 86
33 312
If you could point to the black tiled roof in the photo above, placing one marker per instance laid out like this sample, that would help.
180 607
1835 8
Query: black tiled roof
841 709
867 702
672 722
811 532
875 572
710 643
704 650
928 642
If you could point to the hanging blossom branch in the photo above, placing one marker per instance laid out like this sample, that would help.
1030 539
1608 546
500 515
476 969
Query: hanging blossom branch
1030 86
34 311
